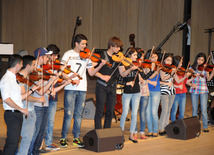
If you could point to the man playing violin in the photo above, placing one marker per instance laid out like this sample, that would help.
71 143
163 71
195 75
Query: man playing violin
53 101
106 91
75 95
12 104
42 110
28 124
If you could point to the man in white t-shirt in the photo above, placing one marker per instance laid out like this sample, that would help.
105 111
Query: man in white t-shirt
75 95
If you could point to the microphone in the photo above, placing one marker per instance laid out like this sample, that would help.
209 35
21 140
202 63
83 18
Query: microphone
182 25
79 20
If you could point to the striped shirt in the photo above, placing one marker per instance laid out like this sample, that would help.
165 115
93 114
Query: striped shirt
201 86
165 89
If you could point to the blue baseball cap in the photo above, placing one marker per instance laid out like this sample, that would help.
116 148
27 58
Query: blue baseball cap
43 51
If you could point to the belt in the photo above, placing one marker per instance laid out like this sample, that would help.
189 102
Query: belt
105 84
17 111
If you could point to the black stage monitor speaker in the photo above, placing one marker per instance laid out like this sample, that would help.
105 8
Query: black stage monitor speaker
183 128
100 140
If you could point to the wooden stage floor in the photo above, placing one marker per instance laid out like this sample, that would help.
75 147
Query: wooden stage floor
204 144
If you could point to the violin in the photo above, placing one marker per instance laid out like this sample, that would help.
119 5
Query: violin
67 70
61 78
54 66
94 57
137 63
181 71
208 68
119 57
147 64
37 75
167 68
21 79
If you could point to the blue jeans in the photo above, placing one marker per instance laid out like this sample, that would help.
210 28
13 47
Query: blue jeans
203 102
152 111
27 132
74 102
144 100
49 130
39 130
166 105
134 99
181 99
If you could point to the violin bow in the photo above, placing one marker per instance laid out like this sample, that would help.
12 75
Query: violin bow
152 52
120 62
160 64
37 60
27 94
88 60
43 83
52 72
135 79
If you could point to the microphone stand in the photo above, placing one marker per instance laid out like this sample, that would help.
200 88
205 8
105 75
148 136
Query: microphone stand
176 27
78 23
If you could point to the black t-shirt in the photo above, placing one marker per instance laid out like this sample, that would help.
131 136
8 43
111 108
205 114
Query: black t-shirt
131 77
106 70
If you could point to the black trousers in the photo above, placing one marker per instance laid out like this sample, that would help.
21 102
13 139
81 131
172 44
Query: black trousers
13 121
104 94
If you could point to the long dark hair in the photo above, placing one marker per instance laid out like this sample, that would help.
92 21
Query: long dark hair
147 55
168 55
194 65
176 60
131 50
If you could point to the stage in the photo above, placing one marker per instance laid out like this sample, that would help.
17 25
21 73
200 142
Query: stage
159 145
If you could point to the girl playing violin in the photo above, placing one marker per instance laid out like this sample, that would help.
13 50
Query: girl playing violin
198 88
131 91
180 82
144 93
167 93
154 98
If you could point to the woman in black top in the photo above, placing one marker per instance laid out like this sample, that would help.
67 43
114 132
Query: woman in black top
131 91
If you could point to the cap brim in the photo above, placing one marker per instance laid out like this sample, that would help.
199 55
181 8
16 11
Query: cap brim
48 53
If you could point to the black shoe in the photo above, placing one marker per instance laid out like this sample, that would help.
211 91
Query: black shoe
44 151
149 135
134 141
155 135
206 130
162 133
